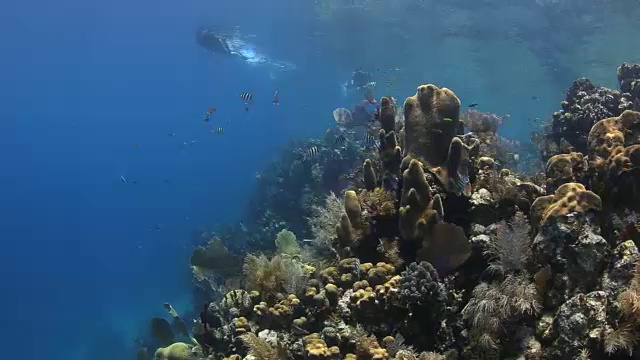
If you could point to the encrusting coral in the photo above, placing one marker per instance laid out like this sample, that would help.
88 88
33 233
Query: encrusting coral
438 250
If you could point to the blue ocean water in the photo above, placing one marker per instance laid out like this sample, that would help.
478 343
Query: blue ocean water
90 91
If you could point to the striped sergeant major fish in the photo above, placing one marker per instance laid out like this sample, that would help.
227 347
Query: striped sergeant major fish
312 152
247 97
218 130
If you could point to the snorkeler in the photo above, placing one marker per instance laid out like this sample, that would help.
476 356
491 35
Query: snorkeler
216 43
235 45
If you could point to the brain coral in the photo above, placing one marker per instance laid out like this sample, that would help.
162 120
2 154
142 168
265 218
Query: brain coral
569 198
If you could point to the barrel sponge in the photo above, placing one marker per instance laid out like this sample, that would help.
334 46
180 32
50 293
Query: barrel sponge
431 122
176 351
568 198
387 114
564 168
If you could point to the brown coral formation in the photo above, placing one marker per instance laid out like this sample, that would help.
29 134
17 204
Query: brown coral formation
614 158
564 168
454 174
387 115
568 198
431 122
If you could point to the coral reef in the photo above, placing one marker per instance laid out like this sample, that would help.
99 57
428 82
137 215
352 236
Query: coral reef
435 248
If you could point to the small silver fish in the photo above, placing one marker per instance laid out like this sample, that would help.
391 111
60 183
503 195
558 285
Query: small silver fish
123 179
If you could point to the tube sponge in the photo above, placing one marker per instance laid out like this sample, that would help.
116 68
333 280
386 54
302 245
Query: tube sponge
369 175
387 114
431 122
415 198
390 153
454 174
352 208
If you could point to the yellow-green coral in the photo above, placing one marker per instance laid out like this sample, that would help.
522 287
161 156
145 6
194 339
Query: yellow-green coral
241 326
315 348
176 351
286 243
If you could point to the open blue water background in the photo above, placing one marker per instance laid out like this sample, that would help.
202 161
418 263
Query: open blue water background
89 91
